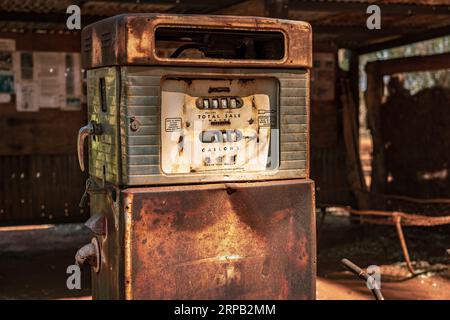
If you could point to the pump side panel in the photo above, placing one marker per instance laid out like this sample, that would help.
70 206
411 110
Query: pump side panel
221 241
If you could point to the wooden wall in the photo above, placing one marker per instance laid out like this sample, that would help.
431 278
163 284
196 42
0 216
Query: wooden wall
40 189
328 154
40 180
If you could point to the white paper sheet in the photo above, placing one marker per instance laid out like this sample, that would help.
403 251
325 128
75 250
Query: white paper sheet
5 98
49 69
27 96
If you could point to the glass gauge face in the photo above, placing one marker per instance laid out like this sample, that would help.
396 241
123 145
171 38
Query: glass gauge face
210 125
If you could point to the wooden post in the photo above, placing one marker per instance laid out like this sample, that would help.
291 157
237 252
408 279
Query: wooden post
373 102
354 81
375 72
413 64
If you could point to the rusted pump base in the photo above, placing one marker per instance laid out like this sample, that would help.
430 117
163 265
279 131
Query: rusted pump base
212 241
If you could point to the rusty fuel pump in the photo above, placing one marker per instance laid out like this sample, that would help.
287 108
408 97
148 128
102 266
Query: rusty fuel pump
198 142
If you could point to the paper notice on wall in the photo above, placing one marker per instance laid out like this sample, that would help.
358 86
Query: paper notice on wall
73 82
27 96
7 45
49 69
6 60
7 48
6 82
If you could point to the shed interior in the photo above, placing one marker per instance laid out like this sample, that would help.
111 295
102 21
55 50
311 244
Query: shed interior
38 165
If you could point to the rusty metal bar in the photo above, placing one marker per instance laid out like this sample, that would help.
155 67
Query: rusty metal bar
398 226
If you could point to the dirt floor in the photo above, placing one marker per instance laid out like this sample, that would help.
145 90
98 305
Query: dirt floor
366 244
33 261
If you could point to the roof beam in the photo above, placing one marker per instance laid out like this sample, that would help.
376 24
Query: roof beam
191 6
411 64
396 9
406 39
44 17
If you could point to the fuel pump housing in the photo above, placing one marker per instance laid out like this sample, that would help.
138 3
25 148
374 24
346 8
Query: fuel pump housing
198 147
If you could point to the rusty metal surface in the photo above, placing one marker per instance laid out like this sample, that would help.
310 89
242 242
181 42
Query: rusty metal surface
141 100
89 254
129 40
400 220
232 140
220 241
107 283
